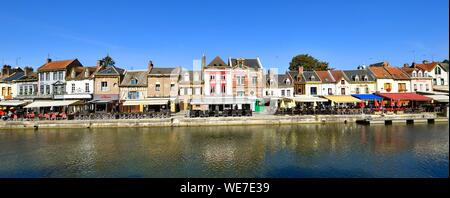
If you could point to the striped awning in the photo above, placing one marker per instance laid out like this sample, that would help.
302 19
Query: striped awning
13 103
51 103
342 99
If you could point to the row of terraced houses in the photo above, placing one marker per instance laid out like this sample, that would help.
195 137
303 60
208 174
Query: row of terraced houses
234 83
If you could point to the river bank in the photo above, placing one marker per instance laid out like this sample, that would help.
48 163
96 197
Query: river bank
181 121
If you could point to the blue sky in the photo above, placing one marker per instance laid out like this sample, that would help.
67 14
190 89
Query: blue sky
173 33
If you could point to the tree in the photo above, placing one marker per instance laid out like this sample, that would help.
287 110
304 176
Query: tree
308 62
108 61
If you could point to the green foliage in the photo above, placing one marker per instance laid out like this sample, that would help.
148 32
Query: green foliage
308 62
108 61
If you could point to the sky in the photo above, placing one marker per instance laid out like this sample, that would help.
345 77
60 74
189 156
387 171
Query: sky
345 33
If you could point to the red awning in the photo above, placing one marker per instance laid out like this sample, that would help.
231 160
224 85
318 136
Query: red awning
404 96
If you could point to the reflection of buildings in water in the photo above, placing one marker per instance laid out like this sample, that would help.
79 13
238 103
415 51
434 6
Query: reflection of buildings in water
219 153
389 138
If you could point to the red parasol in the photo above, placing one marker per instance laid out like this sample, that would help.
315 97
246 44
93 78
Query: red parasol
382 103
392 103
376 103
399 103
361 104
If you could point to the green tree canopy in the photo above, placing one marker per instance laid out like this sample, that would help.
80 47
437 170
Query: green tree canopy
108 61
308 62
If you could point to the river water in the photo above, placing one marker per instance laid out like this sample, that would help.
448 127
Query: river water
329 150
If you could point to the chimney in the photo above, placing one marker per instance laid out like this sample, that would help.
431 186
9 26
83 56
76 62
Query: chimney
300 69
150 65
425 62
406 65
49 60
28 70
99 63
6 70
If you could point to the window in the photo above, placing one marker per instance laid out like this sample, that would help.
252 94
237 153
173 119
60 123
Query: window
55 76
288 93
73 87
41 77
86 87
342 82
357 90
287 82
414 74
415 87
134 81
342 91
387 87
222 77
438 70
223 89
267 93
427 87
213 89
47 89
434 81
313 90
282 92
240 93
212 77
104 86
442 81
172 86
255 80
157 87
366 78
133 95
420 74
425 74
356 78
271 93
240 80
21 90
198 91
42 89
3 91
421 87
47 76
367 89
61 75
330 91
401 87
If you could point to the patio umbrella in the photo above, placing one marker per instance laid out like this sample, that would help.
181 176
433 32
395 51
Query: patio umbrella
382 103
361 104
376 103
392 103
399 103
282 105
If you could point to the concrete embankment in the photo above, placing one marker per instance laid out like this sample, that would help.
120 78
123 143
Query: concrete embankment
179 121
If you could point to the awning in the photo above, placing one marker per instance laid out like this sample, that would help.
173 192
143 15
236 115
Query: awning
342 99
404 96
439 98
367 96
13 103
100 101
222 100
146 102
306 98
51 103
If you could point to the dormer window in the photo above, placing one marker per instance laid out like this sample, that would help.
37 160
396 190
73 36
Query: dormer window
134 81
414 74
73 73
287 82
312 78
86 73
420 74
425 74
356 78
366 78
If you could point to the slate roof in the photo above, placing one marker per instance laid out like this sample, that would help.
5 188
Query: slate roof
14 76
165 71
217 62
30 77
249 62
361 73
110 70
140 76
310 76
281 78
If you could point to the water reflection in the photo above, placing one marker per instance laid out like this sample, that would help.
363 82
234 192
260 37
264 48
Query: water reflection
331 150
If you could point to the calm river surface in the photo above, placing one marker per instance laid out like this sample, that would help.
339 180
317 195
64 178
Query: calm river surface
332 150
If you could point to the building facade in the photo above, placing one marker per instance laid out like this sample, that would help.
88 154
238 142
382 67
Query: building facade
106 89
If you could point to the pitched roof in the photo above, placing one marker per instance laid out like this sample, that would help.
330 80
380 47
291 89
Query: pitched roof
325 76
164 70
140 76
338 75
58 65
361 74
444 65
282 81
310 76
380 72
426 66
217 62
27 78
293 74
397 73
80 73
110 70
14 76
249 62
